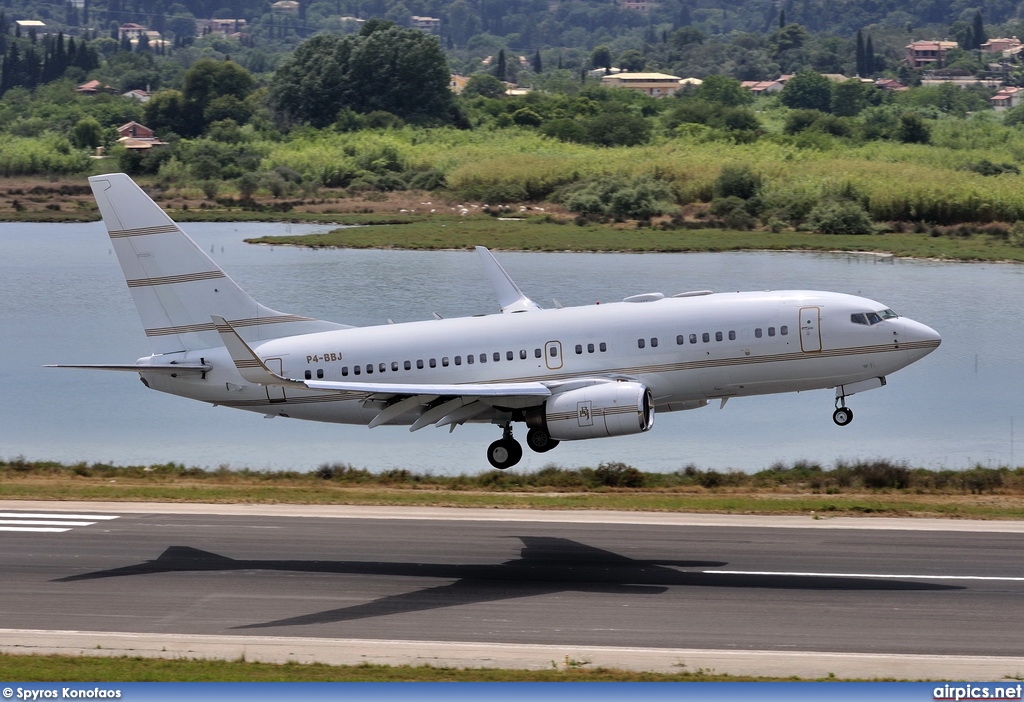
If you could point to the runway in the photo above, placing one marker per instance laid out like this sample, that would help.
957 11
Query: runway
742 595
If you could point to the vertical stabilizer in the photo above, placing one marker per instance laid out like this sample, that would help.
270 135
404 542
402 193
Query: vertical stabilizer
175 285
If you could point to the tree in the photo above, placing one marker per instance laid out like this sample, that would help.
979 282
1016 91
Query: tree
978 34
848 98
87 133
601 57
501 66
484 84
383 68
913 130
632 61
536 63
807 90
723 90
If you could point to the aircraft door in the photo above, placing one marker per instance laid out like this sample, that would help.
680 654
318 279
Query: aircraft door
275 393
553 355
810 329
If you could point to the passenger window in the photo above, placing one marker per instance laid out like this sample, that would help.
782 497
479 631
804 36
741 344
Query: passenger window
510 355
771 331
369 368
458 360
590 348
603 347
407 365
640 343
496 356
732 335
522 354
444 361
320 373
309 374
344 371
680 339
419 363
355 369
757 333
470 359
483 358
693 338
553 351
433 363
579 349
654 342
537 353
705 337
784 330
394 365
718 336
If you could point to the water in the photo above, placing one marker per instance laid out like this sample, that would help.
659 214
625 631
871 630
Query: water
64 301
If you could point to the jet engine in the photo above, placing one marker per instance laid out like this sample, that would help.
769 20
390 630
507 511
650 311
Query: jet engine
595 411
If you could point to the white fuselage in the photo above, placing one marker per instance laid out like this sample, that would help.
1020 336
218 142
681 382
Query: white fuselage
686 350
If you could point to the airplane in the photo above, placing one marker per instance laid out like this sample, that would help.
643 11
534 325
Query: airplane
568 373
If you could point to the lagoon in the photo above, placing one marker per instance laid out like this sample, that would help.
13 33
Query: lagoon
65 300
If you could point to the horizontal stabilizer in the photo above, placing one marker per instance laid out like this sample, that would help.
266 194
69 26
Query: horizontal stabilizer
171 367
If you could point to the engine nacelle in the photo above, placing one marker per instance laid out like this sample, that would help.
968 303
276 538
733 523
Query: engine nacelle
595 411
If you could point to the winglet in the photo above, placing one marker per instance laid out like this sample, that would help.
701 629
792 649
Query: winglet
246 361
510 297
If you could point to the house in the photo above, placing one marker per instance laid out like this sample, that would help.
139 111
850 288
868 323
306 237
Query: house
221 26
285 6
131 30
1006 46
430 25
92 87
457 83
36 25
638 5
653 84
1007 98
140 95
922 54
137 136
762 87
890 84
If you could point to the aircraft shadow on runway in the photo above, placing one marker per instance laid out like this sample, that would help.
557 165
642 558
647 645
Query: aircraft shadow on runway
546 565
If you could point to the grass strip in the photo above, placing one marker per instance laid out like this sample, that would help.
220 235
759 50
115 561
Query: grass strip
50 668
546 234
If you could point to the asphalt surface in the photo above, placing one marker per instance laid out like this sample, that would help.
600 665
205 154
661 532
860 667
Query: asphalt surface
431 579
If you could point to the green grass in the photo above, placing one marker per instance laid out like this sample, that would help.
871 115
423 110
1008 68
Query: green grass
542 234
874 488
131 669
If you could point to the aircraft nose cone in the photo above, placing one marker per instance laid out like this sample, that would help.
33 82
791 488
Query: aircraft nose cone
920 337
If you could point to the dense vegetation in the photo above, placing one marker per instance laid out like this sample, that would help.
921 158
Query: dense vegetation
266 110
807 477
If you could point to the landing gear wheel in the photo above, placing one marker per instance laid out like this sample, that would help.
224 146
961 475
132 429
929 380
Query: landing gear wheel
504 453
842 416
540 441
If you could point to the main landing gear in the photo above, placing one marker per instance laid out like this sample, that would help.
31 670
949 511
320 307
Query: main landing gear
506 451
843 414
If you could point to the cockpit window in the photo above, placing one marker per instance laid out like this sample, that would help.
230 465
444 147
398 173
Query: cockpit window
869 318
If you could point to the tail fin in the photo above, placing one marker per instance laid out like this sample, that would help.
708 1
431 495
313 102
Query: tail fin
175 285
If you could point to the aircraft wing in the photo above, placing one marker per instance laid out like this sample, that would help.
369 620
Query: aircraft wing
463 400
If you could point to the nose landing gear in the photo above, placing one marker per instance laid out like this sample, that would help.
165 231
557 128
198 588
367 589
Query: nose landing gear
843 414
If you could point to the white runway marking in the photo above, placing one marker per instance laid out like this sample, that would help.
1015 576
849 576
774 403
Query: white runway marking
866 575
48 523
